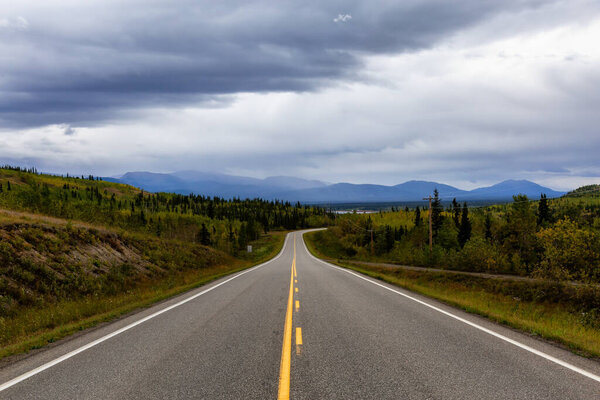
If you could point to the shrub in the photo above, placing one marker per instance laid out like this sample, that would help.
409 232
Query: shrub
569 252
480 255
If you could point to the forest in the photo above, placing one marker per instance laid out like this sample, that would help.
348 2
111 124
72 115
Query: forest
556 239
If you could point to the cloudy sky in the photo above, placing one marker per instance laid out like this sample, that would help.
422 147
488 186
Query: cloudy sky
465 92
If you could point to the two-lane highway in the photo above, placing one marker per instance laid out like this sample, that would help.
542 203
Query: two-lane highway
299 327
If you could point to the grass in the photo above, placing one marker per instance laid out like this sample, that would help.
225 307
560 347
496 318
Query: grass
35 327
553 321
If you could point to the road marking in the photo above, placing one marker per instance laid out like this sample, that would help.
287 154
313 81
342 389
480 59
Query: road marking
472 324
295 280
296 290
96 342
283 392
297 305
298 340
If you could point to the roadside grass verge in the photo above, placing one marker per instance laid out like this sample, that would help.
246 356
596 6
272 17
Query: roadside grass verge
548 310
35 327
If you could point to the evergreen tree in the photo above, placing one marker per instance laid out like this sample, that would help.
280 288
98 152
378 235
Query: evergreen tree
456 213
367 232
417 216
464 232
436 213
488 227
8 186
389 239
203 235
543 210
243 237
1 190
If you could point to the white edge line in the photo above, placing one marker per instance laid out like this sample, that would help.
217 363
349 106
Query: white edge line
64 357
474 325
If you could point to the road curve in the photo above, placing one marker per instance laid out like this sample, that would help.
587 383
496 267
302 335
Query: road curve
299 327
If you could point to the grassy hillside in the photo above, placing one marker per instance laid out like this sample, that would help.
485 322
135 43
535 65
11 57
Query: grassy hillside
78 251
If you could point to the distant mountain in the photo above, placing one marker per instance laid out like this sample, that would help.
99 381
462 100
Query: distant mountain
216 184
506 189
353 193
311 191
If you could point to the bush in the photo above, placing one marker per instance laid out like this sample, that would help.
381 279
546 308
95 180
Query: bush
569 252
480 255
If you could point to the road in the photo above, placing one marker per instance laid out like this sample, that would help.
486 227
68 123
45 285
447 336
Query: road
239 338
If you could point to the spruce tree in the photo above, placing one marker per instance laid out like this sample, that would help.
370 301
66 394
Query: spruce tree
464 232
204 235
488 227
417 216
543 210
389 239
456 213
436 213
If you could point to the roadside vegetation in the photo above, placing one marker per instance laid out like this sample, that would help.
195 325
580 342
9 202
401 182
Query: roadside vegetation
554 243
78 251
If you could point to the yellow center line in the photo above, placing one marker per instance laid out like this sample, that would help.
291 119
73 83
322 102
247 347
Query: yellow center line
297 305
296 290
286 351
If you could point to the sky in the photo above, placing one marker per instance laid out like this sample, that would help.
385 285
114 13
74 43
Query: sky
464 92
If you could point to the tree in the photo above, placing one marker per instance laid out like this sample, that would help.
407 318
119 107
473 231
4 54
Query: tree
417 216
543 210
1 190
436 213
464 232
231 237
8 186
488 226
389 239
519 234
456 213
243 236
203 236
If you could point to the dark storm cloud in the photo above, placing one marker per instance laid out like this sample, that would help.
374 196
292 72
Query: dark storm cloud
90 63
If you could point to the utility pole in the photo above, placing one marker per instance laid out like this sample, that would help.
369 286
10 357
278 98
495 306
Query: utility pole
430 228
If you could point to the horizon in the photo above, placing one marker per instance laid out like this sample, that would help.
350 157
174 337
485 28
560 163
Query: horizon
119 176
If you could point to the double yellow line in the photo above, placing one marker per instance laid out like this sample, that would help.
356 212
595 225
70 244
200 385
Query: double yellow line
286 351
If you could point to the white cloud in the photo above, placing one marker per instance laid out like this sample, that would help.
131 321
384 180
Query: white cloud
14 24
342 18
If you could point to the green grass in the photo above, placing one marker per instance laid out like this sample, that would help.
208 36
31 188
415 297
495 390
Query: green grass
553 321
35 327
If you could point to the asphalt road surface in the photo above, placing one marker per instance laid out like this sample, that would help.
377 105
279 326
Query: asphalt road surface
300 328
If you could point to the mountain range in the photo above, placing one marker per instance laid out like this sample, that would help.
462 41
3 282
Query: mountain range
314 191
